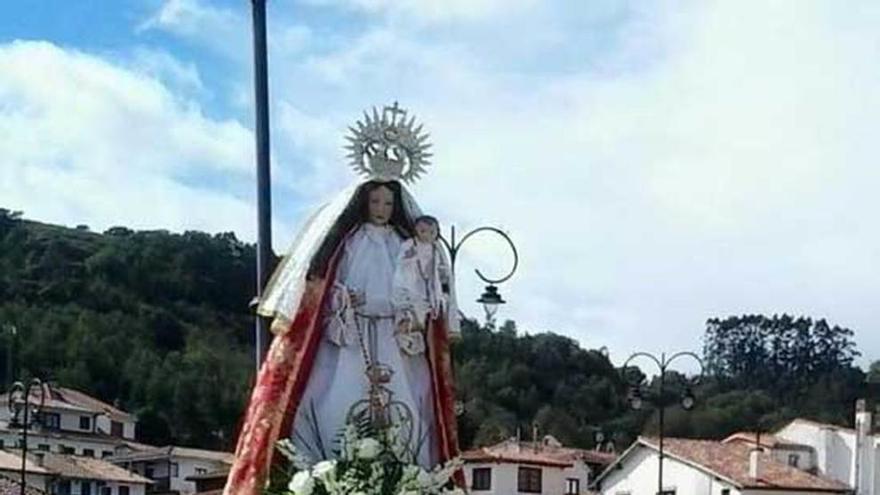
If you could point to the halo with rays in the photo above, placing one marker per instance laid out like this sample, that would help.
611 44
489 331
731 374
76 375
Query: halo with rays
388 146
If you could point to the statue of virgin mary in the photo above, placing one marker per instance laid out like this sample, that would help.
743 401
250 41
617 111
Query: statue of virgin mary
335 352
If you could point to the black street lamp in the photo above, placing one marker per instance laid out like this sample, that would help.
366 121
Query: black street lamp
637 396
490 299
11 347
25 413
602 441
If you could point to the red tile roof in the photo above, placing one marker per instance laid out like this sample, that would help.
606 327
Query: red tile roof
74 400
78 467
543 454
767 440
525 457
11 461
731 461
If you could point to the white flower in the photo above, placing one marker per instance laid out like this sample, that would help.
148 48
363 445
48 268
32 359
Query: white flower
302 483
368 448
324 469
425 479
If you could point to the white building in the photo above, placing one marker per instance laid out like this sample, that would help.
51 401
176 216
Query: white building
35 476
74 424
531 467
794 454
169 467
71 422
851 456
708 467
65 474
80 475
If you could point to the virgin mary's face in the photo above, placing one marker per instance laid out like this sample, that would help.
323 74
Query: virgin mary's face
381 205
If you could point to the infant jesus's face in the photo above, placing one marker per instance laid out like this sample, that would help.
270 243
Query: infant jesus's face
426 232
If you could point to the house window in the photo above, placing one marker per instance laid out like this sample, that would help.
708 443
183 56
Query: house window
481 479
725 491
106 453
123 490
793 460
116 430
85 488
572 486
44 447
667 491
2 445
62 488
50 421
88 452
175 470
149 472
106 490
64 449
529 480
85 423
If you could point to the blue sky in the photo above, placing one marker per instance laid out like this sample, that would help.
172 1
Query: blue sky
657 163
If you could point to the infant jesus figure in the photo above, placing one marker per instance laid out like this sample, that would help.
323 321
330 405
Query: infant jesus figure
421 285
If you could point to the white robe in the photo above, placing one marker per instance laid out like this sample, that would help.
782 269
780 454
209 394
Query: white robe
418 280
338 378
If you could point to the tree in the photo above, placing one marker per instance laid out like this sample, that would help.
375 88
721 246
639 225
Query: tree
874 372
779 352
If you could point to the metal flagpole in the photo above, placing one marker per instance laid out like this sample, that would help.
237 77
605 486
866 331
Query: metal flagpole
264 204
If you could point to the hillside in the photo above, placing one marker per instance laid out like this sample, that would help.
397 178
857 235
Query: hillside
158 322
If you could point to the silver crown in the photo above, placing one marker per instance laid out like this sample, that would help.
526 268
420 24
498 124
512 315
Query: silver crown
388 147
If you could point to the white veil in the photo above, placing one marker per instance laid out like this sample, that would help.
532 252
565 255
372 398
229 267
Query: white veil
285 289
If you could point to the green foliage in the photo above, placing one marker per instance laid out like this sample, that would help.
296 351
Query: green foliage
782 352
874 372
154 321
777 368
509 383
159 323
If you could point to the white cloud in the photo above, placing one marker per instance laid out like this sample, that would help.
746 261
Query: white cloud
218 28
731 173
655 165
171 71
104 145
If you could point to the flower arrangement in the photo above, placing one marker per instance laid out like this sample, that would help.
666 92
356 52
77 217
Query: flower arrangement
367 463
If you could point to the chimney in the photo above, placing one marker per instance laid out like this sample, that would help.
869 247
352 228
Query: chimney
535 442
860 479
755 463
824 454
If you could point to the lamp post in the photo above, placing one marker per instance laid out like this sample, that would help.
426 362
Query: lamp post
24 414
264 204
637 397
602 441
11 348
490 299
